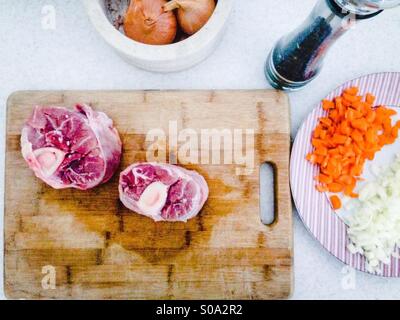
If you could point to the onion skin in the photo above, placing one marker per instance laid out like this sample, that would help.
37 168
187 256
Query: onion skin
147 22
192 14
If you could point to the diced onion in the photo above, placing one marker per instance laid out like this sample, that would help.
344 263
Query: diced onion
374 222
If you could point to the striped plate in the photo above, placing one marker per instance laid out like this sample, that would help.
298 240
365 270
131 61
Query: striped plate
313 207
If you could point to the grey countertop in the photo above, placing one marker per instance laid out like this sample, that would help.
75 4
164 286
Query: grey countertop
73 56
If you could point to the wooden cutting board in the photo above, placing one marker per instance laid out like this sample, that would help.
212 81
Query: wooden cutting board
86 245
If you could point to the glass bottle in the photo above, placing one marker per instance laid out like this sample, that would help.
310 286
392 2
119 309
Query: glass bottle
297 58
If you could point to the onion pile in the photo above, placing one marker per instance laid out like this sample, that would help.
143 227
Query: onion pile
161 22
374 223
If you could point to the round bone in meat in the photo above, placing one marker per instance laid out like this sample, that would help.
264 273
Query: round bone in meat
162 192
65 148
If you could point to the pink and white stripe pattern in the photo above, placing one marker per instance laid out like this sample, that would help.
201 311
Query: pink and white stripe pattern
314 207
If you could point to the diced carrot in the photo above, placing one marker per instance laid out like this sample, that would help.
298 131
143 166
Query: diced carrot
351 91
352 132
356 136
348 191
345 128
324 162
336 203
390 139
317 132
371 115
367 108
322 151
377 127
345 164
311 158
340 108
326 121
346 180
345 170
335 187
370 99
337 172
349 114
334 115
369 156
390 112
380 114
357 170
370 136
346 103
349 153
360 124
387 126
339 139
320 159
348 97
334 153
333 163
395 132
321 188
348 142
357 149
360 144
325 179
359 106
337 101
327 104
317 143
358 115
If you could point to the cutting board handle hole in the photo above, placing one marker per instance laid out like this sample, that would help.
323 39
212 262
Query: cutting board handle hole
268 193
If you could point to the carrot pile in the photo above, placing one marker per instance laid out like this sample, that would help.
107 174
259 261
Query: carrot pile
352 132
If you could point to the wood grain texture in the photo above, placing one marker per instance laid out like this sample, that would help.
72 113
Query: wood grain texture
101 250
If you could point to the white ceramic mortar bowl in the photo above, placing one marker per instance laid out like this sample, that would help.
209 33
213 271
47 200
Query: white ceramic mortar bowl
165 58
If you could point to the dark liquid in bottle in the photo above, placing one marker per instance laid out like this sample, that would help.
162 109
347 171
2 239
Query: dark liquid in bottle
295 61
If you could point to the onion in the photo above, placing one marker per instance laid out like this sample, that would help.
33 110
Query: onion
374 223
147 22
192 14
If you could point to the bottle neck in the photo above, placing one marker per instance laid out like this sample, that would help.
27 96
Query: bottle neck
359 8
